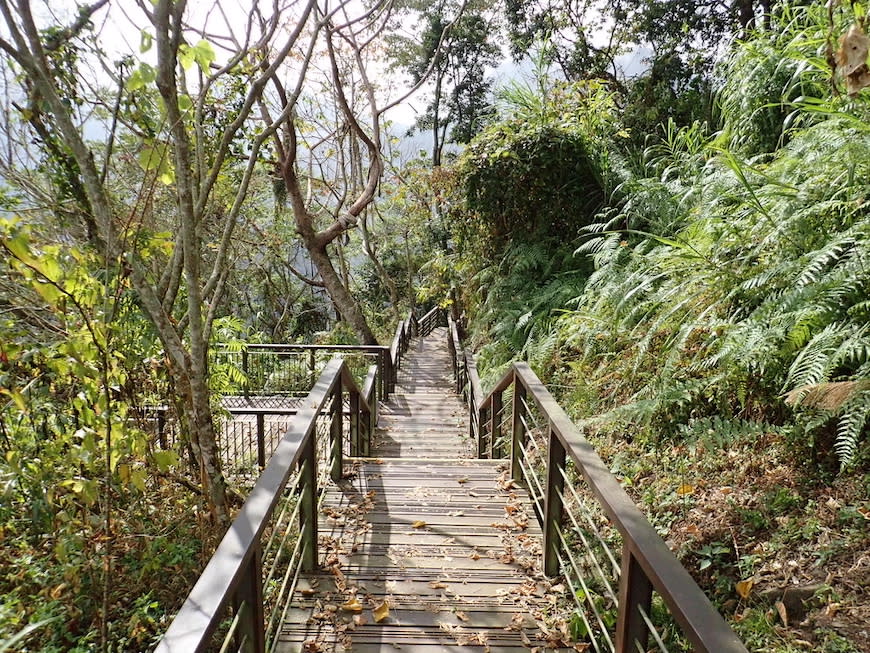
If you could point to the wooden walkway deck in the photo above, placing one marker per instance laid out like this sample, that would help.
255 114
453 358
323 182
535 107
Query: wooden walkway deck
424 548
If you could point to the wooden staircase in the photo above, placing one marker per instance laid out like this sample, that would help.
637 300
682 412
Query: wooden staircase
424 548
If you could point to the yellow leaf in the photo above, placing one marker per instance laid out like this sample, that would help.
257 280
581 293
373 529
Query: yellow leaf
137 477
437 585
744 587
783 614
685 489
381 612
124 473
419 524
352 605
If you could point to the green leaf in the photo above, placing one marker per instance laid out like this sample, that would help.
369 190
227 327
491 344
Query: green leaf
48 291
16 397
145 41
204 54
141 77
12 643
165 459
137 478
186 56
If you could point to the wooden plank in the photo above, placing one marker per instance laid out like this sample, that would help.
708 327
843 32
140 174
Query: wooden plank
424 527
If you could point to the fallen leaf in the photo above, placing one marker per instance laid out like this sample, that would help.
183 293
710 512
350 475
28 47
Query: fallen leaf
725 490
692 529
418 524
685 489
353 605
511 509
359 620
516 622
744 587
474 555
462 480
461 615
437 585
381 612
783 614
456 513
311 646
308 591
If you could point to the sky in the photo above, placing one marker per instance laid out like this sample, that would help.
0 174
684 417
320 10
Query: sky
119 29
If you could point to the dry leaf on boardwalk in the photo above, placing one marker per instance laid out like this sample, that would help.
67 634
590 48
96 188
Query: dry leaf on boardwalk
381 612
352 605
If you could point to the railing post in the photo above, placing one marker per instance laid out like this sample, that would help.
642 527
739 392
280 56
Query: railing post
161 427
251 634
246 372
335 433
355 431
495 424
261 440
483 424
308 503
518 431
553 504
635 590
311 366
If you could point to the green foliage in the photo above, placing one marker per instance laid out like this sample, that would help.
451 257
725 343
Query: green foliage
727 295
539 174
63 470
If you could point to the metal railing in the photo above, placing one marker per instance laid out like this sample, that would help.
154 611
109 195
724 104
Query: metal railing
290 370
434 318
242 595
630 591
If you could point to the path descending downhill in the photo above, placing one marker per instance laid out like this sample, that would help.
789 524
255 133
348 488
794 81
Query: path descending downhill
424 548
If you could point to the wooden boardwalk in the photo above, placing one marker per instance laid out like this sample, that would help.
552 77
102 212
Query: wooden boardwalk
424 548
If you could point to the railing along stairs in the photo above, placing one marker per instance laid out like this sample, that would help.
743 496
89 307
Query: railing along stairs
239 600
631 592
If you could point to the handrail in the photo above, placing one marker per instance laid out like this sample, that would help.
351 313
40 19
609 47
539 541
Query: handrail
467 385
405 330
248 353
647 563
234 574
432 319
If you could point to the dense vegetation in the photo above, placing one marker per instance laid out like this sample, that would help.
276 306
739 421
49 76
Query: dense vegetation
701 301
681 255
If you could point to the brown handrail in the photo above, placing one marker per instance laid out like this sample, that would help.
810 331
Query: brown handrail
647 563
234 575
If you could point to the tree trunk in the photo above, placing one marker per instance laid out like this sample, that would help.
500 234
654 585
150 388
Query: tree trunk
340 295
382 274
745 15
